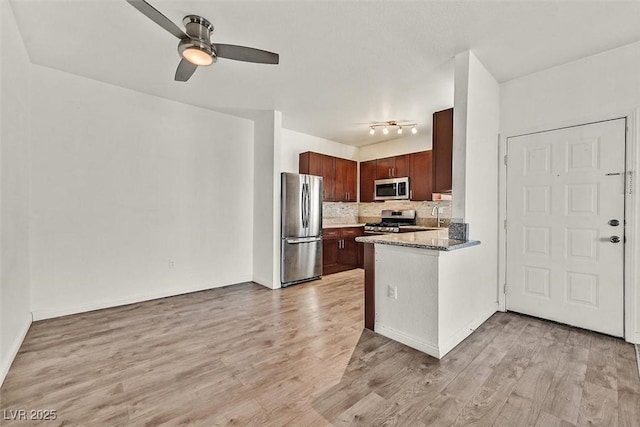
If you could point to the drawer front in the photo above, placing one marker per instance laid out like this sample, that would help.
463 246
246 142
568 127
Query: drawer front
351 232
330 233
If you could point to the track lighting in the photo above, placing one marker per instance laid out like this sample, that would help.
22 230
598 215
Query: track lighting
392 124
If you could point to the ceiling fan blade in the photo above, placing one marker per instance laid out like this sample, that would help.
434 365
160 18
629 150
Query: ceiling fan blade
185 70
156 16
247 54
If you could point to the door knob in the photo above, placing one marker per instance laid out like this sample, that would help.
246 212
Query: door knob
614 239
614 222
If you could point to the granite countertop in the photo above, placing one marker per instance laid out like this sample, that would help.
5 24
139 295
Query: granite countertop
437 240
342 225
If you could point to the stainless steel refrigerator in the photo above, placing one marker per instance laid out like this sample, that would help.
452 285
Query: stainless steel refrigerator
301 228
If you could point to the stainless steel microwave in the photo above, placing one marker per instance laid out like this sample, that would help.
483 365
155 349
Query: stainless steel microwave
392 189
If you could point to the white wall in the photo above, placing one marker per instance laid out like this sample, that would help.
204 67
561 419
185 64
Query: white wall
408 144
588 88
294 143
266 202
476 148
131 196
15 90
598 87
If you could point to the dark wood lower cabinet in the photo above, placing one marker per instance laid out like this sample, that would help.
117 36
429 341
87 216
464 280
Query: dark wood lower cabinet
369 264
340 251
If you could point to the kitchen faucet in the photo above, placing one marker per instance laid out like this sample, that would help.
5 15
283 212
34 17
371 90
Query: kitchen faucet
436 212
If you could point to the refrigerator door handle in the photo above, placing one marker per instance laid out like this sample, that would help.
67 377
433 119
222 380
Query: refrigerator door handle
304 205
297 240
308 204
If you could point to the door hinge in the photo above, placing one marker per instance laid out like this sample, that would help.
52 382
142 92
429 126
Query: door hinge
505 159
504 289
505 224
630 182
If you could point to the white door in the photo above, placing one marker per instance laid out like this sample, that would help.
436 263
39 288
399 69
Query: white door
565 190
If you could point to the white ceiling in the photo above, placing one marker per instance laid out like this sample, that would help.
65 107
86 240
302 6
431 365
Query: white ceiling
342 64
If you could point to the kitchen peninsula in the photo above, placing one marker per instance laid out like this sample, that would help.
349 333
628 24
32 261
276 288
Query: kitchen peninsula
420 289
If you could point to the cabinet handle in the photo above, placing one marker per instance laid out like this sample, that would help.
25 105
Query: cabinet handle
411 194
393 171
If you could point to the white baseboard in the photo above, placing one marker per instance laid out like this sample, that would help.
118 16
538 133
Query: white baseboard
408 340
437 351
7 360
100 305
463 333
633 338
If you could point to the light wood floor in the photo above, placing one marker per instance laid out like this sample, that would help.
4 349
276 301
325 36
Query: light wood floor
245 355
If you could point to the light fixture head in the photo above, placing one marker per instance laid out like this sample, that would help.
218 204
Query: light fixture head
197 48
197 56
399 127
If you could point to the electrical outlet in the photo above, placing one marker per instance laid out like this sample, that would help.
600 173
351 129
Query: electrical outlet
392 292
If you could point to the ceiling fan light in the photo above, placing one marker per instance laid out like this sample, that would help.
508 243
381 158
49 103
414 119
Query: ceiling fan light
414 130
385 130
197 56
399 130
372 131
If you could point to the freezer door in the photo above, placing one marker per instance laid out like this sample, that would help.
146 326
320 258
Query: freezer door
315 206
301 260
294 205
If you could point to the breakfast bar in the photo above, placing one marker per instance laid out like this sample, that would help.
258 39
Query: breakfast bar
419 289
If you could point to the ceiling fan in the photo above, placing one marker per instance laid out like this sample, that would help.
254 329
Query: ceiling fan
195 45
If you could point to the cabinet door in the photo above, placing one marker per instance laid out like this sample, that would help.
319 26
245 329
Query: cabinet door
330 248
367 178
349 253
310 163
351 183
421 176
345 180
442 150
401 166
384 168
328 178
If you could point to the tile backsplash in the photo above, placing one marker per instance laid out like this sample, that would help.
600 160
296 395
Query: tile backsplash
370 212
352 213
339 213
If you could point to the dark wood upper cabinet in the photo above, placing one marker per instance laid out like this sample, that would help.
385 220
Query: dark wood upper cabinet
421 175
384 167
329 178
346 180
417 166
368 173
310 163
339 176
401 166
442 150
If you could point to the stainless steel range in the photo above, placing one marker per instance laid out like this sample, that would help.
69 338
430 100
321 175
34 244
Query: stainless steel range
391 221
